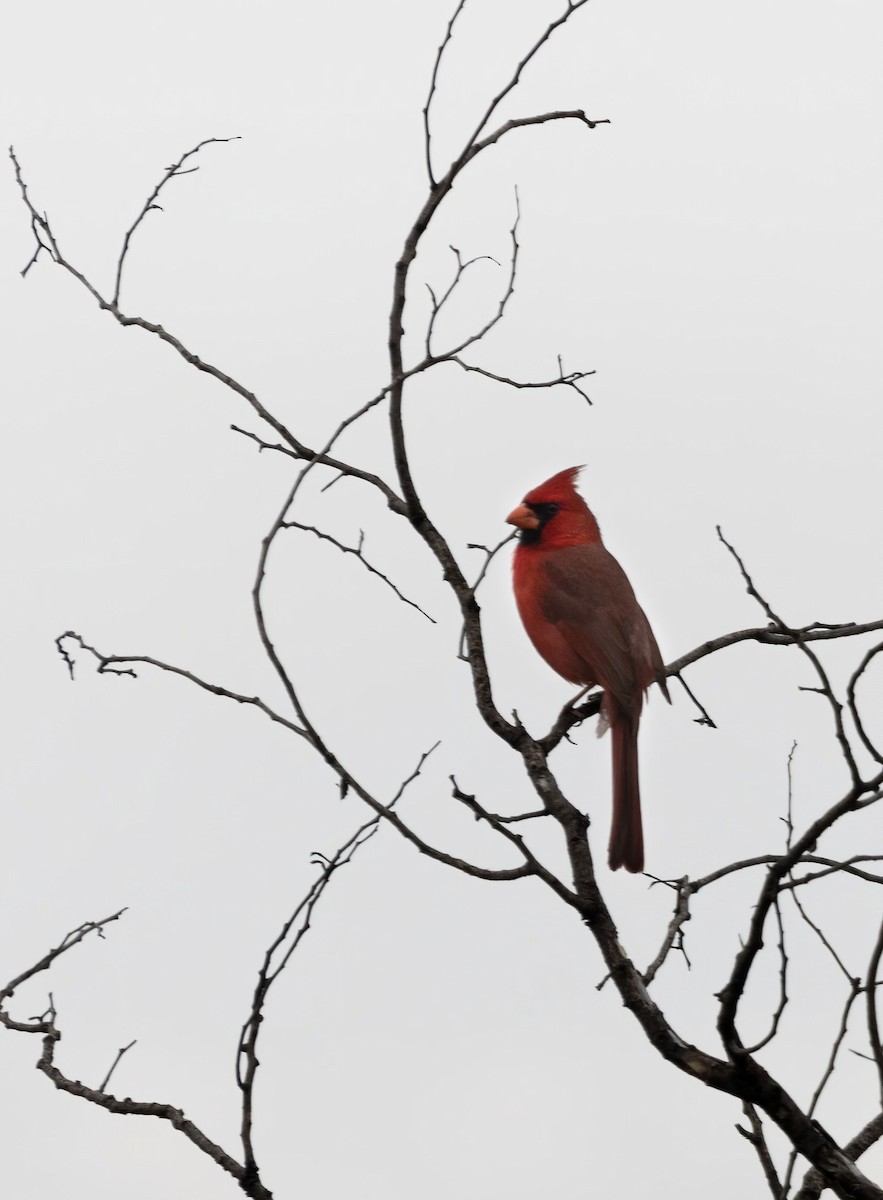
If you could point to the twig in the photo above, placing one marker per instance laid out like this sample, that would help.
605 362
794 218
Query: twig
489 555
871 985
116 664
783 985
854 992
102 1087
527 816
572 379
357 551
71 939
572 7
151 205
825 689
773 637
674 934
438 305
705 718
853 709
755 1136
282 949
531 861
789 815
817 930
503 302
427 137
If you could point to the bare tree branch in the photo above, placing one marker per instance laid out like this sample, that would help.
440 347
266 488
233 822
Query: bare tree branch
814 1183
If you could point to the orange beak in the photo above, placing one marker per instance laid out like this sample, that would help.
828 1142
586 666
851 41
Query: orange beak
523 517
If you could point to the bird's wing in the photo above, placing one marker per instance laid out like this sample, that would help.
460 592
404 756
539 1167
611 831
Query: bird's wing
591 602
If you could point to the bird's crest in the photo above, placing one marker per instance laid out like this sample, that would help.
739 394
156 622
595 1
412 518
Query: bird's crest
559 488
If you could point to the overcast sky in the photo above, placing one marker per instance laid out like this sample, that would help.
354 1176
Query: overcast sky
715 255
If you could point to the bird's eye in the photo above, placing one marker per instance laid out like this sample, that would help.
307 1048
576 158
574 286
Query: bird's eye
546 511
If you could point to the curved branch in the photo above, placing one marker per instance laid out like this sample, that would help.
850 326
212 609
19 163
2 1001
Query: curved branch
357 551
414 508
427 136
150 205
853 708
871 985
284 946
783 986
756 1137
118 664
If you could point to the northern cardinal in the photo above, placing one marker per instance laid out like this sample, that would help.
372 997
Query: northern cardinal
581 614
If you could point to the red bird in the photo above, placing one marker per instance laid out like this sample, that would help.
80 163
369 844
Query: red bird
581 614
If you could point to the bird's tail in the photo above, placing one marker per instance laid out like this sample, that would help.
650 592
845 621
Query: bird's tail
626 833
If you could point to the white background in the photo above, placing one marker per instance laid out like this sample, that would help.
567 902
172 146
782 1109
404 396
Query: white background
715 255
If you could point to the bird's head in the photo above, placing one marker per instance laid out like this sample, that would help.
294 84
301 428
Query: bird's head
555 514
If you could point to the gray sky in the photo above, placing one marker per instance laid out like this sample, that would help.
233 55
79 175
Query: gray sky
714 254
